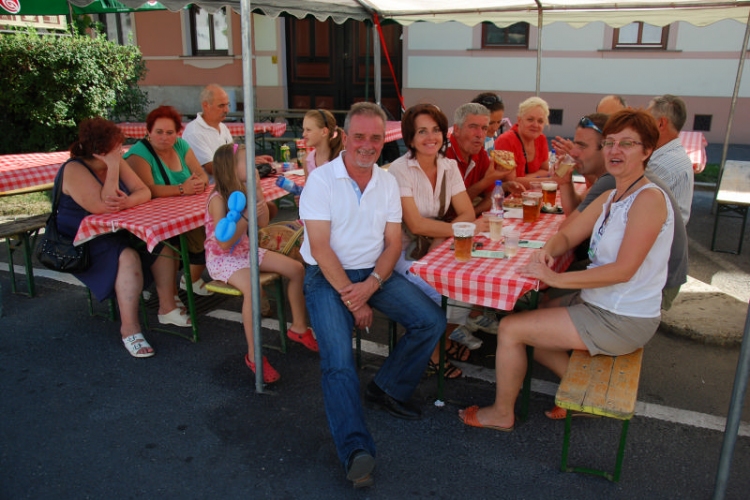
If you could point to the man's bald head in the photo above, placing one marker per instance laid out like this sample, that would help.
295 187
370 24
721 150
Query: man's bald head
611 104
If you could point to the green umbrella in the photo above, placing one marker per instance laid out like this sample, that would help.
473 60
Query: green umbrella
62 8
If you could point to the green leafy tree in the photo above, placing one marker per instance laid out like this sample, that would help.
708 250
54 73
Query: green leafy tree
50 83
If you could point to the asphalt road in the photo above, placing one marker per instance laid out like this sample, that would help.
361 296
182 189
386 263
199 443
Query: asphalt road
82 419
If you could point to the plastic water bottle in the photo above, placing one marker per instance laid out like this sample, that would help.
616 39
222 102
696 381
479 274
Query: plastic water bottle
552 160
288 185
498 197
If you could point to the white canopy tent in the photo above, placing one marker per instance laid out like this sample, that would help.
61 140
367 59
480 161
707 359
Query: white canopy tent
502 13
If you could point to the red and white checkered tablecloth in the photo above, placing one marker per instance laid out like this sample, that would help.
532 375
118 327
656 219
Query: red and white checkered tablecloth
392 131
695 145
19 171
489 282
152 222
162 218
137 130
273 192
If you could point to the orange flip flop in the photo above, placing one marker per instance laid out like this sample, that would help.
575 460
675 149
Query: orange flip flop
470 419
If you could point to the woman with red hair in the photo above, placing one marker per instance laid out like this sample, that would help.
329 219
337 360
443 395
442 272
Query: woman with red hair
97 180
168 166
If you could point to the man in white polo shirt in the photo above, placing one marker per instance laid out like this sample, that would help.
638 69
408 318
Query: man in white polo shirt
207 132
352 214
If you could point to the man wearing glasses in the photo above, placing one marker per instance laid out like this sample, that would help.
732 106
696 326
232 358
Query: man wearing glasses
586 150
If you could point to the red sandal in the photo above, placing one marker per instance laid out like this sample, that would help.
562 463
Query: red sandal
270 375
307 339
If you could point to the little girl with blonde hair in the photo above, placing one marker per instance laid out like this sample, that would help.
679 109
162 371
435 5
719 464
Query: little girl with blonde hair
228 261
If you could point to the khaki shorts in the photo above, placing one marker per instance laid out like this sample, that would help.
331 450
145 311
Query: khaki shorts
605 332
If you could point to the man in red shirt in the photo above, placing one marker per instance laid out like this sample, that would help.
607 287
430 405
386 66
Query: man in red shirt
466 146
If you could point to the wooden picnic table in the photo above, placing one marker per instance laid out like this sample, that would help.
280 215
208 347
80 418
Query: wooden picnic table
733 197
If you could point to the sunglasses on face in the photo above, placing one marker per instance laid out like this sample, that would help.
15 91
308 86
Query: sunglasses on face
623 144
586 122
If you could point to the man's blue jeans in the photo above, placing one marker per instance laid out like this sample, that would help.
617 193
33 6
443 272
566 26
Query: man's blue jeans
402 302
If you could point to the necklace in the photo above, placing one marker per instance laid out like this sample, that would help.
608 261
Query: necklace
606 215
629 188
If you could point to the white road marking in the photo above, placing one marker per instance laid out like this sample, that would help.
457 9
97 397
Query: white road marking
643 409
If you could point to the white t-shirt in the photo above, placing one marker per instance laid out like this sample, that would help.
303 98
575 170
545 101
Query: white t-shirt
413 183
639 297
358 220
204 140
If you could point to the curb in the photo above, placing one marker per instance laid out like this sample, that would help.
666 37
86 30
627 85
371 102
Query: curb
705 314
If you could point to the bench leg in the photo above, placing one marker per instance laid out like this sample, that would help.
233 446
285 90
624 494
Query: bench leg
281 311
10 265
615 476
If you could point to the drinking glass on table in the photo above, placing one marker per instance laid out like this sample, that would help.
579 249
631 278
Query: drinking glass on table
549 192
532 205
496 225
511 242
463 238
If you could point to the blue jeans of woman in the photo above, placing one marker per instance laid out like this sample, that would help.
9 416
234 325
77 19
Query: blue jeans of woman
400 373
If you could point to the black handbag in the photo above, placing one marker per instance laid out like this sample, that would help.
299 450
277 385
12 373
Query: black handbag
264 169
56 251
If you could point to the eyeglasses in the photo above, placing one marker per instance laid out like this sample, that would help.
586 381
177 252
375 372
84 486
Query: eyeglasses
623 144
586 122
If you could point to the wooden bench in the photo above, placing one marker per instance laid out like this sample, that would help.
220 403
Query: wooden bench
733 197
19 233
600 385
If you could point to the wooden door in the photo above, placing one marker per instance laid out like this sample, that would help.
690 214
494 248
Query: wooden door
327 64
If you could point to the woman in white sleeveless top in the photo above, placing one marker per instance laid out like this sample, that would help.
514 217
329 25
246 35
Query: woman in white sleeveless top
617 309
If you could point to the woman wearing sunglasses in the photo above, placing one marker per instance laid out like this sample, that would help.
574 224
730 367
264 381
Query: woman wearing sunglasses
497 111
617 307
527 142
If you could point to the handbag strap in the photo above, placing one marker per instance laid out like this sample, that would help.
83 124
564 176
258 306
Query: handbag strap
443 194
522 147
57 186
163 172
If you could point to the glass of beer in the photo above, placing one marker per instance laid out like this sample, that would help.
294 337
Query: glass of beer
532 205
511 243
549 190
565 165
496 225
463 238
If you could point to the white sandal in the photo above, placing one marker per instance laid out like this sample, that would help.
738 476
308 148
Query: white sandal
175 317
135 343
199 287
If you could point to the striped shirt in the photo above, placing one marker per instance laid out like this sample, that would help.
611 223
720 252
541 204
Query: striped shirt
672 164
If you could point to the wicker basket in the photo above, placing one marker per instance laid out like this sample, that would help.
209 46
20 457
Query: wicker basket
284 237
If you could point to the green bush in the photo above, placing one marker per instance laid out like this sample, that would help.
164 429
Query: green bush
51 83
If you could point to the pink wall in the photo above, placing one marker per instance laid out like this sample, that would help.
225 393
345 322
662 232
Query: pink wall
159 34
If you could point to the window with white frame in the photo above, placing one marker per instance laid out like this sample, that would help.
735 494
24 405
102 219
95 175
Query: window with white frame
209 33
640 35
513 36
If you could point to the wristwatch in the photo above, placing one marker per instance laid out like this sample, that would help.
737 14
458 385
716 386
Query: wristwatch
182 191
377 278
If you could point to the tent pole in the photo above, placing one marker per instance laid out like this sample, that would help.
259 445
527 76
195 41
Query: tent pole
252 223
377 67
735 413
540 19
731 109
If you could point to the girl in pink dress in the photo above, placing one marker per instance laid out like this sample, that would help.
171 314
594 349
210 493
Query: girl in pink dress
228 261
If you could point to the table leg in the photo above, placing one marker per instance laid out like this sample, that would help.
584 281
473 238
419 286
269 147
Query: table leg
526 390
189 288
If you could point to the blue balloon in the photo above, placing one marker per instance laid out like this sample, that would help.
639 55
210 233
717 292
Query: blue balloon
227 226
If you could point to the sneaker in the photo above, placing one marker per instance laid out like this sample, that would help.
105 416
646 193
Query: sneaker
484 323
199 287
462 335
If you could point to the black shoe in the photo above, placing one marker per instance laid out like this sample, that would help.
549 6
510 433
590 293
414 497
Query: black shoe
359 469
385 402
